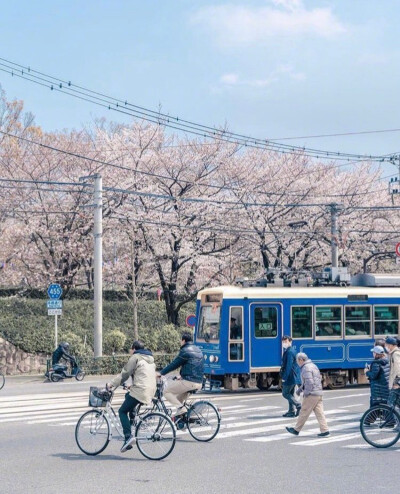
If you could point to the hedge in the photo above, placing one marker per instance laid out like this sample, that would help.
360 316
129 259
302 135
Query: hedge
25 323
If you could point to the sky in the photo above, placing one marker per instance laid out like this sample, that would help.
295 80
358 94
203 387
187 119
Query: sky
266 68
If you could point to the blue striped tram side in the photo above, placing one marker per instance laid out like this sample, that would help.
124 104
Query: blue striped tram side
240 330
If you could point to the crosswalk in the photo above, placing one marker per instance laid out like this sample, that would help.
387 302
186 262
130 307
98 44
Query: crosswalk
251 418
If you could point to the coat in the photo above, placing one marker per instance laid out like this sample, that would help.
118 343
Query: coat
311 382
394 359
142 369
378 376
190 360
290 370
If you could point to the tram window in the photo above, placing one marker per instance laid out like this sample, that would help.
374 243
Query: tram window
386 319
302 322
358 320
209 323
328 321
235 351
265 322
236 323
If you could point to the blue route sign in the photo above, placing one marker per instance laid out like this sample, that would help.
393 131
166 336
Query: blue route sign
54 291
54 304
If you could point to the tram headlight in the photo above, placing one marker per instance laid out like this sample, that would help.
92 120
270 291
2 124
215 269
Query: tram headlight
212 358
216 359
205 357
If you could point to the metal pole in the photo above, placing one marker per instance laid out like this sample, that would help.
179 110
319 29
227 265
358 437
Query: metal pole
134 297
55 330
334 232
98 265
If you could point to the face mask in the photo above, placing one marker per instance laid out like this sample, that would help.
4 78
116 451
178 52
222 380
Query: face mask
285 345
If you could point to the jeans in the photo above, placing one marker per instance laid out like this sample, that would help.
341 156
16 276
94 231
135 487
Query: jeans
127 406
288 394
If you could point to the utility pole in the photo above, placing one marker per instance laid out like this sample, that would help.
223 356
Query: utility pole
334 233
97 262
394 184
98 265
134 297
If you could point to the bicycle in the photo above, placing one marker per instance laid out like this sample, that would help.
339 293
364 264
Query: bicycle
2 380
380 424
202 419
154 432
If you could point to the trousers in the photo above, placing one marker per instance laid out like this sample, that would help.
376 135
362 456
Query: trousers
312 404
127 406
288 394
177 391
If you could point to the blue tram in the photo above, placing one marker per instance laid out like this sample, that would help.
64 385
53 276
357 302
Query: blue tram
240 328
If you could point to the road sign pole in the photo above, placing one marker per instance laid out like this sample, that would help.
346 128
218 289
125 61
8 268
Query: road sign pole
55 330
98 265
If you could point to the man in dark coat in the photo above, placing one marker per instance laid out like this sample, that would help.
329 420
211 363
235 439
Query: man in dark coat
290 375
191 364
378 375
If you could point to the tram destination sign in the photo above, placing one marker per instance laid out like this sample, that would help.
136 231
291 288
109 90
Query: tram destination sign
357 298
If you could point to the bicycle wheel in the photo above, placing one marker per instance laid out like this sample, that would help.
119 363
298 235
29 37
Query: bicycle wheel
203 421
92 432
2 381
155 436
380 426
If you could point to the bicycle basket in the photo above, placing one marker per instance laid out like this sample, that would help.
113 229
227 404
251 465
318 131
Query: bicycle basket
98 397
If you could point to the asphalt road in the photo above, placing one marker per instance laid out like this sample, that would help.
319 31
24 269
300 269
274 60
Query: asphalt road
252 453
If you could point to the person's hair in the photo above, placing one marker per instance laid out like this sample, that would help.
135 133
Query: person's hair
137 345
380 342
186 336
286 337
302 356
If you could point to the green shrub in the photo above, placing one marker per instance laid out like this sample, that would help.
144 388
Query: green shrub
113 341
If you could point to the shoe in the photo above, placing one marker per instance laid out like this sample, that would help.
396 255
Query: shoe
289 414
292 431
324 434
127 444
298 410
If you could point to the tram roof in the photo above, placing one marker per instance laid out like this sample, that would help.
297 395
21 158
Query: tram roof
238 292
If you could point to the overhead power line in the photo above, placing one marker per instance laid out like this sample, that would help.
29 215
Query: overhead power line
166 120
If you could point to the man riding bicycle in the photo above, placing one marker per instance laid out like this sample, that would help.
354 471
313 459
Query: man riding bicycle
142 369
190 360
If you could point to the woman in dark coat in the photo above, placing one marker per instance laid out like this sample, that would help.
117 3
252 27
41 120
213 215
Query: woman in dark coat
378 375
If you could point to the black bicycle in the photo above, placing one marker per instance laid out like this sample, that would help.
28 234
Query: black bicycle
380 424
2 380
202 419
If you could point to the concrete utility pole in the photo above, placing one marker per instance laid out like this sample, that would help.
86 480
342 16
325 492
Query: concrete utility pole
334 233
98 265
134 297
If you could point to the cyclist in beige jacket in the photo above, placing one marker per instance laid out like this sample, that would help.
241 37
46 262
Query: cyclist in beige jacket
142 369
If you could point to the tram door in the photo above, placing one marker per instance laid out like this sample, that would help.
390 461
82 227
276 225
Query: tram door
265 334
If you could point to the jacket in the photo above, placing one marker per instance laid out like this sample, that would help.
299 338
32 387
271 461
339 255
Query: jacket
59 353
394 359
378 376
142 369
290 370
311 382
190 360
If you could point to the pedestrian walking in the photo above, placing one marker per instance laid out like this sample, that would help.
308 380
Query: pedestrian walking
378 375
394 376
311 387
290 376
